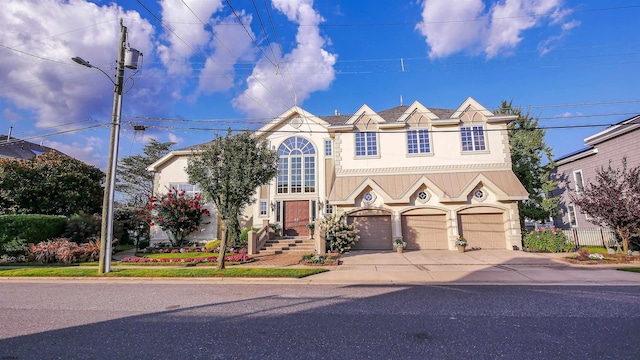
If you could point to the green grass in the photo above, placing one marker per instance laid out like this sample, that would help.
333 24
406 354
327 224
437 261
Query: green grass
163 273
595 249
124 247
636 270
177 255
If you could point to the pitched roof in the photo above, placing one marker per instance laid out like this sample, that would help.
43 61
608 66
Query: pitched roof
13 148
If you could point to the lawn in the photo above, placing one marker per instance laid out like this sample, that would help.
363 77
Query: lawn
636 270
191 272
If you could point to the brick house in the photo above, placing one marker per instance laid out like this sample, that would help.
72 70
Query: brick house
427 175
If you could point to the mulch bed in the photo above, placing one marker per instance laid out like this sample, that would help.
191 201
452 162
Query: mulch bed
608 259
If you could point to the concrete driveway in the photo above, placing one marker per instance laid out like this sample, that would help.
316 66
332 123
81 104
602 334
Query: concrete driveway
470 267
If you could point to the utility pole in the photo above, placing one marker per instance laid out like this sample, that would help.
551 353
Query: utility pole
106 229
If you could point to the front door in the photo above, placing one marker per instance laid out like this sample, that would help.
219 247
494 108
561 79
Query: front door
296 218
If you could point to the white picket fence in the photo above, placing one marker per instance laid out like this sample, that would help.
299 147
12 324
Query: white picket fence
591 236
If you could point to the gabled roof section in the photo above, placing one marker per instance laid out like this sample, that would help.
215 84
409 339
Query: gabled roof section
503 186
420 182
417 113
620 128
365 113
286 116
168 157
468 104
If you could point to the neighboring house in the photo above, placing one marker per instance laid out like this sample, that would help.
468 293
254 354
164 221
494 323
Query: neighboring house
574 171
169 172
13 148
424 174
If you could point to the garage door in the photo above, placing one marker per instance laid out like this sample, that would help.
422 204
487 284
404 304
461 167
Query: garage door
422 232
375 232
485 231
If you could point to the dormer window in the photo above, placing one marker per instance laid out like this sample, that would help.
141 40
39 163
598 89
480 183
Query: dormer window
366 144
473 138
418 141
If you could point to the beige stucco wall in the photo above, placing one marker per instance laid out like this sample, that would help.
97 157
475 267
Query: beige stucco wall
446 150
173 172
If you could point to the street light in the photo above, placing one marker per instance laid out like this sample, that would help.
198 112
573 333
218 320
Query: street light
106 228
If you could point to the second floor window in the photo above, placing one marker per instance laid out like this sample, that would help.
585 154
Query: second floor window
366 144
418 142
473 138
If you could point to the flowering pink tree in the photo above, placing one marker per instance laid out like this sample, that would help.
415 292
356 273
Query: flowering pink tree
176 213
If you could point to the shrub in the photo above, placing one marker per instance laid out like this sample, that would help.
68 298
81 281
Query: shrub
15 247
339 235
64 251
582 254
31 227
176 213
547 239
83 228
212 245
244 235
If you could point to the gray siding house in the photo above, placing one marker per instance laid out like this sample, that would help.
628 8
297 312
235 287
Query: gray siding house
575 171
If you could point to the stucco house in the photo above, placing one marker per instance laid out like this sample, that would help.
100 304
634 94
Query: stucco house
427 175
575 170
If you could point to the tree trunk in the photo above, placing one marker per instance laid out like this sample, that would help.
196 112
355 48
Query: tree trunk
223 246
625 241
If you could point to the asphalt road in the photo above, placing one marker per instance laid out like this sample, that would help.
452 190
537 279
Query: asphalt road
200 320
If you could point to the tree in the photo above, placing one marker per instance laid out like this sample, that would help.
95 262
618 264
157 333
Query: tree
228 171
133 179
49 184
528 152
613 199
176 213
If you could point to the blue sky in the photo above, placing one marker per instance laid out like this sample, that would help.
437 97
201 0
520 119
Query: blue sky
573 64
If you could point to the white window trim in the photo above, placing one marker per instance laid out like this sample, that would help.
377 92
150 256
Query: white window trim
264 206
575 180
303 170
355 143
572 208
419 153
191 193
330 148
484 136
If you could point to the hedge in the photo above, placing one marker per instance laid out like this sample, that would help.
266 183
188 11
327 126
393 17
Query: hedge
31 227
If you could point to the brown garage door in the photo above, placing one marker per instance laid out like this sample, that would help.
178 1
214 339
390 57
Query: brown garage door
485 231
422 232
375 232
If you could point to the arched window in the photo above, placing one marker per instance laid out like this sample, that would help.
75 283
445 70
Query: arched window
296 166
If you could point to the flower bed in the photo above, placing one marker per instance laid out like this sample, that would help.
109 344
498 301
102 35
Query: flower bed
240 258
320 260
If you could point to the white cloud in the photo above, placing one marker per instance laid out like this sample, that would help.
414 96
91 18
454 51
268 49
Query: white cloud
271 90
187 33
44 35
175 138
231 44
451 28
84 149
468 27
